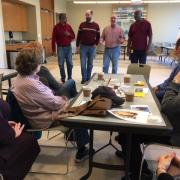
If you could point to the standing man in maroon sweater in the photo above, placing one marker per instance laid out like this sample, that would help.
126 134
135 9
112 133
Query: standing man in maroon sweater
62 35
140 38
87 39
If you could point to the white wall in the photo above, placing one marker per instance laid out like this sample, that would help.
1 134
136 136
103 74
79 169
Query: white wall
16 35
165 20
38 16
31 34
59 6
3 62
76 14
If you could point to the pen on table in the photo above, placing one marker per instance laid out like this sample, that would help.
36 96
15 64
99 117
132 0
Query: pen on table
108 81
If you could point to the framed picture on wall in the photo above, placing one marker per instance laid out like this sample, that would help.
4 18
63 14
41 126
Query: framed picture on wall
125 16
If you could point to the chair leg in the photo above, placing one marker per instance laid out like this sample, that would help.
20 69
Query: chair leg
1 177
143 157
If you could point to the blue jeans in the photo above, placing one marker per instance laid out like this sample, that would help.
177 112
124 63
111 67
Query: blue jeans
87 54
65 53
70 86
138 56
111 54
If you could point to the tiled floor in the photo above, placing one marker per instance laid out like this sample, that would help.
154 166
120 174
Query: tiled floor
52 159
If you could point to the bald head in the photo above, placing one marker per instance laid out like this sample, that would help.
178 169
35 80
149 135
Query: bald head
138 15
113 20
89 14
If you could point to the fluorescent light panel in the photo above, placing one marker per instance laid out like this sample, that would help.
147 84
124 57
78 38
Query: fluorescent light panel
126 2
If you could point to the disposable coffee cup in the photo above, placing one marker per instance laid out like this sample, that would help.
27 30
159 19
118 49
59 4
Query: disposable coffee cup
116 86
86 91
127 79
130 96
100 76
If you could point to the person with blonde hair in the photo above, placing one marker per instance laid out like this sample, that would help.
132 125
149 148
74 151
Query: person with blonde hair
37 101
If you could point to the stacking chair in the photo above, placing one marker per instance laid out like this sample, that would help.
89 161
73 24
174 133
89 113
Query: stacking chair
139 69
1 75
17 116
161 54
1 177
152 152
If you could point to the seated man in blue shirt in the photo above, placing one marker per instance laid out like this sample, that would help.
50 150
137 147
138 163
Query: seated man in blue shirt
161 88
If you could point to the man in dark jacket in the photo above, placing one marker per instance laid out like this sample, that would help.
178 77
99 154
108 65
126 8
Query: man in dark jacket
18 150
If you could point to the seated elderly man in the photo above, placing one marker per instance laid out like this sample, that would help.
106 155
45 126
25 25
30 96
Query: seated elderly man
161 88
67 89
38 102
18 150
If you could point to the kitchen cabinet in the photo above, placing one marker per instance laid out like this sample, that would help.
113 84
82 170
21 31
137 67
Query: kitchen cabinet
47 4
15 17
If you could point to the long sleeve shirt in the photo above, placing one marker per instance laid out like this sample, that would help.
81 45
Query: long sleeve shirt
139 35
165 176
37 101
88 34
163 86
59 36
113 37
171 105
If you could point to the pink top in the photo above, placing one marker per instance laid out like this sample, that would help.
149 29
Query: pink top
37 101
113 37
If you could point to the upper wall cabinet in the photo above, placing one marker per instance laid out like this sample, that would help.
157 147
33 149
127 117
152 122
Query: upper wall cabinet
47 4
15 17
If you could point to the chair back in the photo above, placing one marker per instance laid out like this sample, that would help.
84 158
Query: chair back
1 76
16 112
139 69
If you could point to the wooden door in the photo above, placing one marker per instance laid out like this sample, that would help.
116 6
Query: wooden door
47 24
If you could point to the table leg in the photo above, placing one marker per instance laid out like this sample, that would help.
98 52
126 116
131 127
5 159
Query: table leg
9 82
128 156
124 53
86 176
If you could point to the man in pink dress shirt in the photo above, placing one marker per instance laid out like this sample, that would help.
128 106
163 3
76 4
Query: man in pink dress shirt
113 36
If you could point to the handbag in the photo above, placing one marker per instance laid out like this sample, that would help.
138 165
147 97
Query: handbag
96 107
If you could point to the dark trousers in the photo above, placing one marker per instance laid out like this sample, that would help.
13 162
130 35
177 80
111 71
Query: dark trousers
81 137
160 95
19 157
138 56
136 154
67 89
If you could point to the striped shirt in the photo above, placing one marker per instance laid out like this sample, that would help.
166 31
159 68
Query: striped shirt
37 101
88 34
113 37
